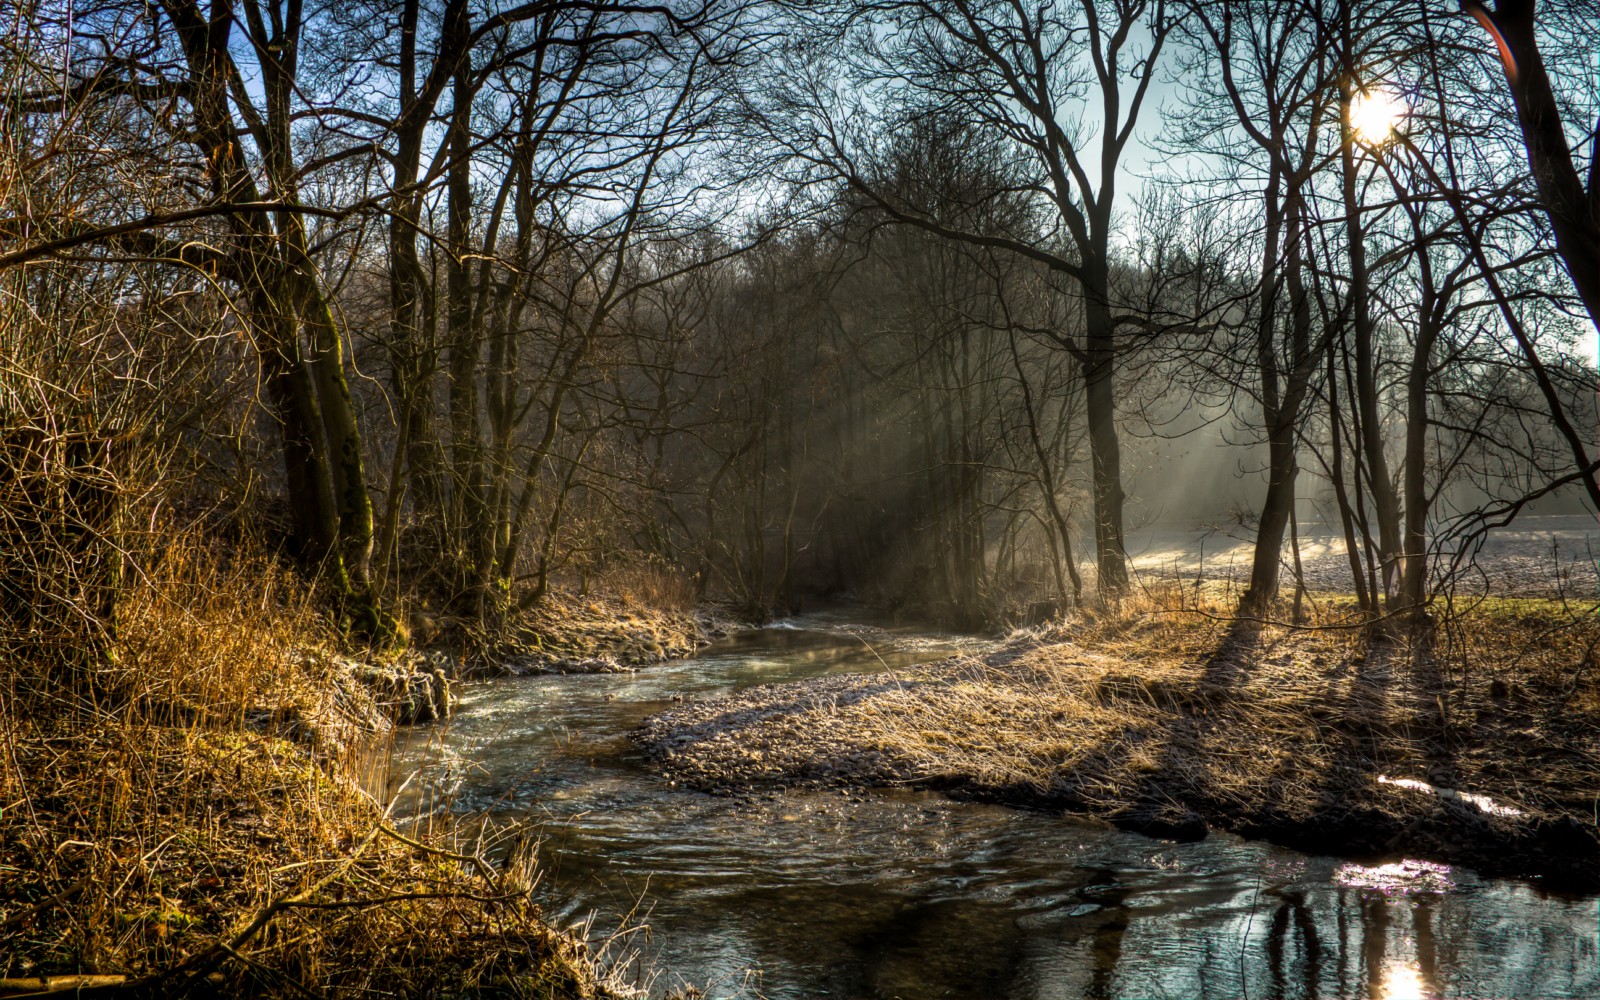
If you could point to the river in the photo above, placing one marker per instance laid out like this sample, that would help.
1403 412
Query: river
909 895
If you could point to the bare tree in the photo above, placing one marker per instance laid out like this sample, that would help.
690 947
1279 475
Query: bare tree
1273 69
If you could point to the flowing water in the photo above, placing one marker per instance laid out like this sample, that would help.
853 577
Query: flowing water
886 894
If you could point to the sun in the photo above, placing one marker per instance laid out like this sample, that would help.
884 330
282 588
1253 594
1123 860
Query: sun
1375 115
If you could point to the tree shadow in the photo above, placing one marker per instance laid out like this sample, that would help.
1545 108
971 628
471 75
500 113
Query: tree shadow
1175 808
1429 723
1105 943
1228 664
1293 912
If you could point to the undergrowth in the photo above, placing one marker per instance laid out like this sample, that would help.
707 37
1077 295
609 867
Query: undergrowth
191 816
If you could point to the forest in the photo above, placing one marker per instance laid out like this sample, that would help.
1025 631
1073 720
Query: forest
972 421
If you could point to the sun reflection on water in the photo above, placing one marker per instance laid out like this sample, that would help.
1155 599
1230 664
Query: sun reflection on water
1396 878
1403 982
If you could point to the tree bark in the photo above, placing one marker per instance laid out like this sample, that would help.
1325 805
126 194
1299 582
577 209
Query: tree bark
1282 412
471 534
1413 575
1263 587
260 271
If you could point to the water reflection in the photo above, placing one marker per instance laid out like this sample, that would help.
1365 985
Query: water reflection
909 895
1403 982
1396 877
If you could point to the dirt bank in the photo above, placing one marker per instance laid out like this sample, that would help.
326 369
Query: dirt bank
570 633
1472 745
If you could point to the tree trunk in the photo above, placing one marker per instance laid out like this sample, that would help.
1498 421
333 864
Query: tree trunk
1385 504
1364 598
411 296
293 401
472 534
1414 565
1099 374
1282 412
346 468
1263 587
1574 213
1059 534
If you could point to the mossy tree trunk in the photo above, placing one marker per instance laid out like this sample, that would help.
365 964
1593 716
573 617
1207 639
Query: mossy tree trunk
297 336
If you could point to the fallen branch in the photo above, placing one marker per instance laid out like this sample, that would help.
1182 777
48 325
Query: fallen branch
33 986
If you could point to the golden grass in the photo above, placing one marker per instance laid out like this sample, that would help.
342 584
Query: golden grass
1261 727
650 584
198 810
619 628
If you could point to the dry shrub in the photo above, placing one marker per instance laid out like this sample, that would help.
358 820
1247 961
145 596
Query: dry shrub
649 584
212 636
60 571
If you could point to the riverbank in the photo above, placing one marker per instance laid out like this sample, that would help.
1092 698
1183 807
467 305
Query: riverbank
193 815
1471 745
570 633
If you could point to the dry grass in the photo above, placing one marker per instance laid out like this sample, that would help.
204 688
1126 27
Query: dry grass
198 811
1168 717
1091 707
1240 714
650 584
613 631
